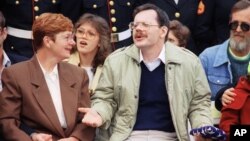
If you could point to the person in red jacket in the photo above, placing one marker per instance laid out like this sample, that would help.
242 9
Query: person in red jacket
237 112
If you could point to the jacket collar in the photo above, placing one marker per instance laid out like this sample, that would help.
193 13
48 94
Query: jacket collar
171 53
221 56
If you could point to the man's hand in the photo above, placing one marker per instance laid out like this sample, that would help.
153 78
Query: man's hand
228 96
91 117
41 137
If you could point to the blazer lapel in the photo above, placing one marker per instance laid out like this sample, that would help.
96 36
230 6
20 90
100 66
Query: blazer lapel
69 96
42 95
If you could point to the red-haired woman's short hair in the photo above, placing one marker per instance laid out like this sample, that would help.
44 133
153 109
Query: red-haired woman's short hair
49 24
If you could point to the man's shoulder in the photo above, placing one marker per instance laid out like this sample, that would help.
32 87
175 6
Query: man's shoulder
213 50
123 51
19 65
179 53
69 66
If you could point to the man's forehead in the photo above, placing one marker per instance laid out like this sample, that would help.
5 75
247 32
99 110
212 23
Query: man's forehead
146 16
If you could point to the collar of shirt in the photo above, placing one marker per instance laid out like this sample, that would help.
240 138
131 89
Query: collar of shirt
6 60
53 74
154 64
176 1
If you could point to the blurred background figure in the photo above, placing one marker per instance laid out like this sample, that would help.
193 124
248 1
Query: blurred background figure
4 59
178 33
221 19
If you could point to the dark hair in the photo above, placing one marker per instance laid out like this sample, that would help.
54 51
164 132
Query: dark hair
180 31
162 16
2 20
240 5
49 24
102 28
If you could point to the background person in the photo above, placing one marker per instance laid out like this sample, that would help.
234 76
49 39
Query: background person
178 33
237 112
92 46
4 59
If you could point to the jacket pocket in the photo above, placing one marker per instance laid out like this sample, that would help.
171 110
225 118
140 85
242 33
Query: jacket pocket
216 83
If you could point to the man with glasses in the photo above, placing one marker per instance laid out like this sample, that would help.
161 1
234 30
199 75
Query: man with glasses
226 62
149 90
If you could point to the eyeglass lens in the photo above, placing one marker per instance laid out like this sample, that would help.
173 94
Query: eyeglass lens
244 26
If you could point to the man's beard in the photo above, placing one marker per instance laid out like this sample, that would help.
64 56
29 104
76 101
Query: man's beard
239 45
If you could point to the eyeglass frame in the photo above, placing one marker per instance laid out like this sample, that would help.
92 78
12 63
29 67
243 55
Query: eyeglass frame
144 24
86 33
244 26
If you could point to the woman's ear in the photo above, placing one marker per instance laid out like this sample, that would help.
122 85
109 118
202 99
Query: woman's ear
164 31
46 41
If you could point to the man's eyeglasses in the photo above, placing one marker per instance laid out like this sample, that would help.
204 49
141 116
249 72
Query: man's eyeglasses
144 25
243 26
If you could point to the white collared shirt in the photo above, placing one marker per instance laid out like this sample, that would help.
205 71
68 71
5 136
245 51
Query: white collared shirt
90 74
176 1
52 80
6 62
154 64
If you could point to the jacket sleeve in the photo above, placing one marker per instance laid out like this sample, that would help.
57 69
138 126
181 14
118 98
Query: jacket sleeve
10 109
199 109
218 103
229 116
81 131
231 113
103 99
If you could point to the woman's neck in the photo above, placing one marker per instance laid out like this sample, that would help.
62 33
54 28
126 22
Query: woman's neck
86 60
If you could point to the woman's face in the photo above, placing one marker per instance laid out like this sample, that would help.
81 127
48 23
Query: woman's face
87 39
172 38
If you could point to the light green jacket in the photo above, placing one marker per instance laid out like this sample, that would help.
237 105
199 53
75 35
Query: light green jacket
116 96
